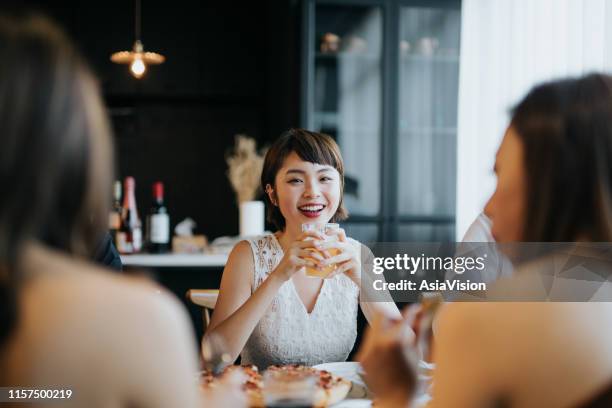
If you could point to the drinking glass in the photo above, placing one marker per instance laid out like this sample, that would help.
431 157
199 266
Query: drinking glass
283 389
329 231
215 355
417 353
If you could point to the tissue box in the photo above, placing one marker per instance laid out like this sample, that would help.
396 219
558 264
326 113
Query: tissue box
189 245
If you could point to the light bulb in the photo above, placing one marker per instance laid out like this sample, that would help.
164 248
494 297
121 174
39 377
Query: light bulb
138 67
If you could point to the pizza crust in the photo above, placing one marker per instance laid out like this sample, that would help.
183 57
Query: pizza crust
330 388
338 392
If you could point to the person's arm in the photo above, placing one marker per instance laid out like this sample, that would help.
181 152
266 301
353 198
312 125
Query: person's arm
464 376
355 260
237 311
373 302
370 309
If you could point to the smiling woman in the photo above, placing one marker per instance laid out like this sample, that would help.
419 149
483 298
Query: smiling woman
269 308
296 153
304 189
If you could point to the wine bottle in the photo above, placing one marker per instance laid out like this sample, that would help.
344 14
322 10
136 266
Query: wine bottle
129 237
114 218
158 222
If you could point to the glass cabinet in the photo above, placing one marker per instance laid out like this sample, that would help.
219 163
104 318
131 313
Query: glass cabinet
381 77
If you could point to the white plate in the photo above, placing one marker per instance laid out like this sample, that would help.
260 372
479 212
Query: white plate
351 371
345 369
359 396
354 403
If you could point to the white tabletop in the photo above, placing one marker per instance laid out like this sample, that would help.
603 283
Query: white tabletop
175 260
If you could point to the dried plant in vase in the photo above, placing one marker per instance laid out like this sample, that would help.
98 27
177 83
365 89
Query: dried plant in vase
245 166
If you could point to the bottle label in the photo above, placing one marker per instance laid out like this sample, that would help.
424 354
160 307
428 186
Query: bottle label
123 245
137 239
160 228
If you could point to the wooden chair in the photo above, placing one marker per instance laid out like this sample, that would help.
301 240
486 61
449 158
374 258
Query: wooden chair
207 298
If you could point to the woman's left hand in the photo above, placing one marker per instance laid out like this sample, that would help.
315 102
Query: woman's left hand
347 260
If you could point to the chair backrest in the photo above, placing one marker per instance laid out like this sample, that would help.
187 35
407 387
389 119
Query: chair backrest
207 298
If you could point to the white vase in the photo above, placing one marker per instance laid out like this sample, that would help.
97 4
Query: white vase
251 218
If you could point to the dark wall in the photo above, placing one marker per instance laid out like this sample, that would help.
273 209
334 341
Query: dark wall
232 67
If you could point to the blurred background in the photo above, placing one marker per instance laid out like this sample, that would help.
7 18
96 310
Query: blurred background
381 77
416 92
230 68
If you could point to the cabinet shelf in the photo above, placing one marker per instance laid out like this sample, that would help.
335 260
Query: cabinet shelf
429 130
421 58
346 56
404 58
390 96
329 120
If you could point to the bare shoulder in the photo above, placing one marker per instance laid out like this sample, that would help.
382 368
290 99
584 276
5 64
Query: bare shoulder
78 291
458 317
483 328
138 321
73 308
239 269
240 261
235 283
241 253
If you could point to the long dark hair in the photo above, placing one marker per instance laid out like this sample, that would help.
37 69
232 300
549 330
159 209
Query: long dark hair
55 152
566 130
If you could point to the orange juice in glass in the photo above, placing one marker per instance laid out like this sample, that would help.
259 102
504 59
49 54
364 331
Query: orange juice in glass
329 231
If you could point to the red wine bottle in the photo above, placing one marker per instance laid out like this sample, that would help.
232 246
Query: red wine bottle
158 222
129 237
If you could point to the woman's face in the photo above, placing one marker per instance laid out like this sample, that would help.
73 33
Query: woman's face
306 192
506 207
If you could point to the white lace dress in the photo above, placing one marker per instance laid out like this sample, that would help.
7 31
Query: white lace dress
287 333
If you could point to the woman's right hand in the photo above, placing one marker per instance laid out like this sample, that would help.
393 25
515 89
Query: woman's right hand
301 253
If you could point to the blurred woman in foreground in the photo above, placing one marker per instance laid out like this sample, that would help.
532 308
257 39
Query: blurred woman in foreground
65 323
554 184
